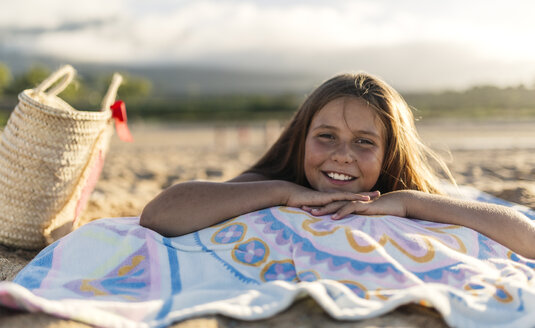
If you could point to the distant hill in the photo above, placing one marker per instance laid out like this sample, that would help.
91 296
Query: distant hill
174 80
178 80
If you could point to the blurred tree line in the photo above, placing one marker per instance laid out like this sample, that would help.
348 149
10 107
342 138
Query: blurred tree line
83 93
86 93
476 102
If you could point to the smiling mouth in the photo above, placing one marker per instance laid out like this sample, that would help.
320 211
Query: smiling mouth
339 176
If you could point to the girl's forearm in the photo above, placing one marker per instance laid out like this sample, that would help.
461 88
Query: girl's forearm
504 225
190 206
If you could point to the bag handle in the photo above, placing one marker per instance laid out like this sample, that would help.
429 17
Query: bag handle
109 98
66 72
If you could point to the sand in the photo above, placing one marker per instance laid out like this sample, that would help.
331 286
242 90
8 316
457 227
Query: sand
496 157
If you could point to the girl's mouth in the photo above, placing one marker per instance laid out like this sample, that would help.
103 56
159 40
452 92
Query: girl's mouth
339 178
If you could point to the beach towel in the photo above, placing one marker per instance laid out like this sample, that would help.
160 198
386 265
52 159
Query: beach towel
113 272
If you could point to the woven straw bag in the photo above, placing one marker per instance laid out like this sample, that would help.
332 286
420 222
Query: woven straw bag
51 156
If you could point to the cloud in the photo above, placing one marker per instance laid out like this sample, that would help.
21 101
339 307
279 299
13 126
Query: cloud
316 36
190 30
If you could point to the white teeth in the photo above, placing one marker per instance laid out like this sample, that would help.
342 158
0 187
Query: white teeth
339 176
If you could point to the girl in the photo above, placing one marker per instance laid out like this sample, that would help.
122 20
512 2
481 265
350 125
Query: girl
352 147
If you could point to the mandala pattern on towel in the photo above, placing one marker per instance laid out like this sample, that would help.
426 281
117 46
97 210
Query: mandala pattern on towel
307 248
229 234
279 270
252 252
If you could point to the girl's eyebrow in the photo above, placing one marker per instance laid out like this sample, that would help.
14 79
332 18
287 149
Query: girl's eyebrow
331 127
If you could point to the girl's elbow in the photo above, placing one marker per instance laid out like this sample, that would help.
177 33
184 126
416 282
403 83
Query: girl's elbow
148 217
152 218
527 252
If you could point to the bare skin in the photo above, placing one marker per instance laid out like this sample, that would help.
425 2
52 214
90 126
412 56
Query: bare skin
190 206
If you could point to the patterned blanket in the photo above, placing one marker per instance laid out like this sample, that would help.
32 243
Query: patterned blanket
113 272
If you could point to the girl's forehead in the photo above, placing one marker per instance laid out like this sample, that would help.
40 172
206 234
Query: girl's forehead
352 112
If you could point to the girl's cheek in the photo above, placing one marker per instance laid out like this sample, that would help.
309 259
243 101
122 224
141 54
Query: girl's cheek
369 158
368 154
321 143
317 148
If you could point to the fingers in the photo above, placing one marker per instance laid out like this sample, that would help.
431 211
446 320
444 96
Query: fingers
384 205
340 209
357 206
338 202
374 194
361 196
326 209
346 196
349 208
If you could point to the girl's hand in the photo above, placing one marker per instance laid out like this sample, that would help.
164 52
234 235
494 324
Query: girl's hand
306 198
392 203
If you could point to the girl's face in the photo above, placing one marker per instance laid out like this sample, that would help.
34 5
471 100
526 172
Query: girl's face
344 148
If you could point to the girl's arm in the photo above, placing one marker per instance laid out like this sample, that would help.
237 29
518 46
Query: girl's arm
190 206
502 224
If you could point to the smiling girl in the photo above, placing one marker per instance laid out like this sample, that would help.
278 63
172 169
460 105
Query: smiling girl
352 147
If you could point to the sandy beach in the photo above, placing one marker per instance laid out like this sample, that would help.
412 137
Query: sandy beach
494 156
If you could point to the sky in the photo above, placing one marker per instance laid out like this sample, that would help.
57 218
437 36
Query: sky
413 44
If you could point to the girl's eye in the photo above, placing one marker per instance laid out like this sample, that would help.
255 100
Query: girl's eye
364 142
326 136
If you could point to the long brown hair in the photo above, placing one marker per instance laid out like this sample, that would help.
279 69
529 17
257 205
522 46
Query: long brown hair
405 164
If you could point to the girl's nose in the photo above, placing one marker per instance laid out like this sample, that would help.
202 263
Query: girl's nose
343 154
